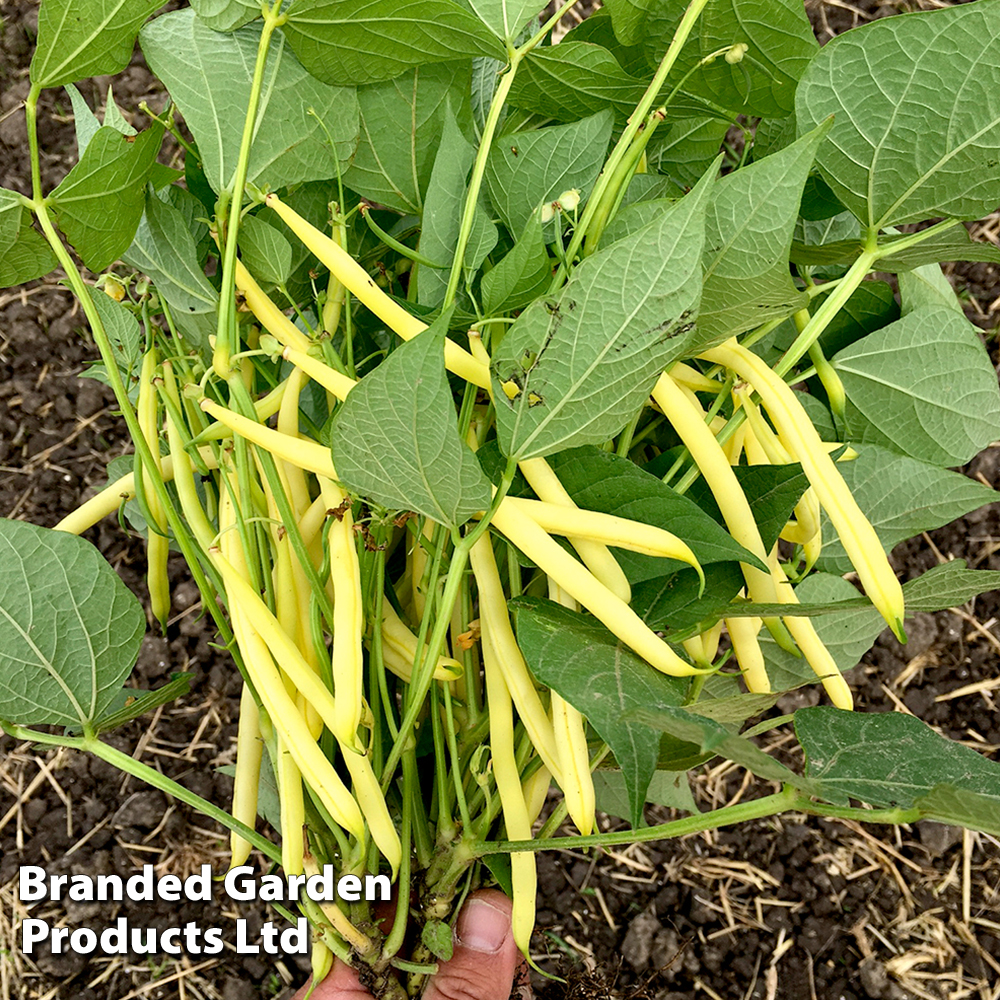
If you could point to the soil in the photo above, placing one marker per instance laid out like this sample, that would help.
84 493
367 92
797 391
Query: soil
790 908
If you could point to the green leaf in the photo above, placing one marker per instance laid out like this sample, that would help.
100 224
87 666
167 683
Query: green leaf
85 121
574 79
598 480
29 257
99 202
443 206
523 274
226 15
349 42
70 630
164 249
748 232
952 244
683 149
673 603
138 704
627 17
771 490
127 343
902 496
711 736
13 215
961 807
265 251
780 44
926 286
24 253
209 75
526 169
944 586
395 439
923 386
505 18
948 586
113 116
848 635
401 125
580 659
435 936
666 788
585 359
887 758
81 38
929 75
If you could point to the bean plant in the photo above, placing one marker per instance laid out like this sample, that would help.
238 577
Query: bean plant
526 414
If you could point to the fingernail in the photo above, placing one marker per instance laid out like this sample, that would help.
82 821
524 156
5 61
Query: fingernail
482 927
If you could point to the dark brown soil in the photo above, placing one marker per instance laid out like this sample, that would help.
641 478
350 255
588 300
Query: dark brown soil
796 908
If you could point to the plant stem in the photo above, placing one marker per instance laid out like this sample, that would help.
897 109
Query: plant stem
91 744
770 805
225 334
635 122
31 119
476 180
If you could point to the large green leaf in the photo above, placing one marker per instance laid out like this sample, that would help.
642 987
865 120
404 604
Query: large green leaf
226 15
350 42
209 75
505 18
748 232
923 386
69 628
81 38
401 125
901 497
926 286
599 480
627 16
916 101
584 360
779 40
573 79
948 586
887 758
580 659
395 439
99 203
525 169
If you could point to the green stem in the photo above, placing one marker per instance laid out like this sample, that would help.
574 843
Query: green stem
476 180
636 121
829 307
31 117
770 805
90 744
226 332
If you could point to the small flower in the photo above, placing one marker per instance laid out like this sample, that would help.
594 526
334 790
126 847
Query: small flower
736 53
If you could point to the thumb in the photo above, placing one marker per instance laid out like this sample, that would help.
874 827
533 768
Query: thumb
486 964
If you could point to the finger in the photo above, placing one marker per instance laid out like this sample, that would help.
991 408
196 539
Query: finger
486 962
341 984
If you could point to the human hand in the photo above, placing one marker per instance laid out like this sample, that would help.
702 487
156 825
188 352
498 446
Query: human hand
486 964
